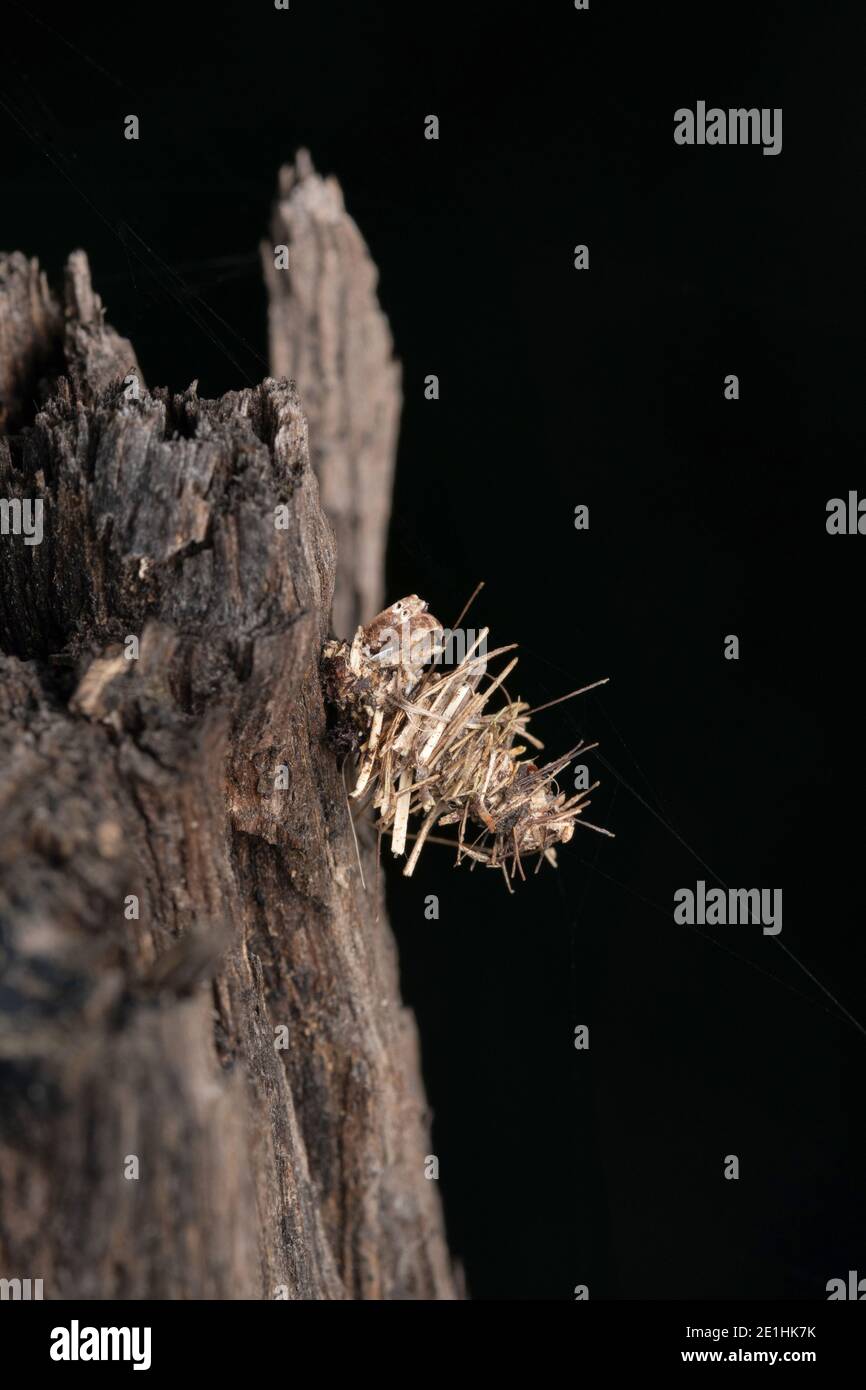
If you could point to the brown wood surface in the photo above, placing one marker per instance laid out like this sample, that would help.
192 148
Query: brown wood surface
328 333
263 1172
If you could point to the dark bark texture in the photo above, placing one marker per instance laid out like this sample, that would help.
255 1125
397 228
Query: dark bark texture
178 877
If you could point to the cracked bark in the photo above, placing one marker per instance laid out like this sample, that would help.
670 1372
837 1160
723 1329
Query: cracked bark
263 1172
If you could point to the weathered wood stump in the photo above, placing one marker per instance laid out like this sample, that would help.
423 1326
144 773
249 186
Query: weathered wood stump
179 878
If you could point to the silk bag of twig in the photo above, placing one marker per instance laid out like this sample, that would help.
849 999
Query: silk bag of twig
440 743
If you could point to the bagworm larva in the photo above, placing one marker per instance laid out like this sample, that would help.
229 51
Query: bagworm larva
429 746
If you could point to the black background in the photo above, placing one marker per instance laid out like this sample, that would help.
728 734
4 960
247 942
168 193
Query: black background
707 517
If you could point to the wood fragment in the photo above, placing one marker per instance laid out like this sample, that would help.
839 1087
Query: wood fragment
154 779
328 333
